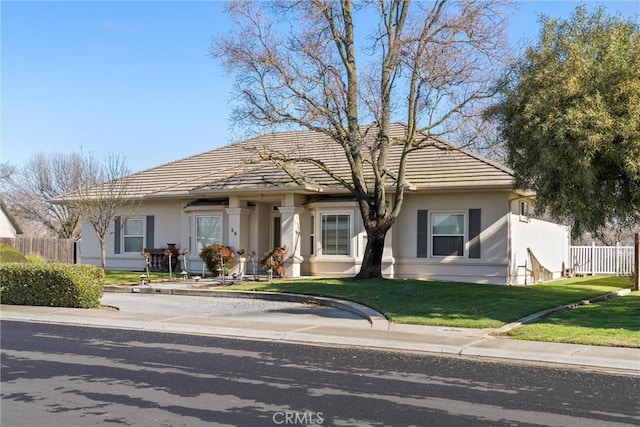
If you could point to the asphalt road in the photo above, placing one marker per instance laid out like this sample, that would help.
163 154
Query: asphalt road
55 375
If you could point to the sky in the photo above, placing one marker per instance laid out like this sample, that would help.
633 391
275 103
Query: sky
135 78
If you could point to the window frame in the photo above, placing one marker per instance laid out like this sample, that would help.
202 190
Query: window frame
464 235
195 229
125 235
321 249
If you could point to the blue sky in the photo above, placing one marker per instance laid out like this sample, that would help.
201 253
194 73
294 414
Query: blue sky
135 78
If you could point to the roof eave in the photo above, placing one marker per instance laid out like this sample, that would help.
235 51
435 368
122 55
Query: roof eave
463 187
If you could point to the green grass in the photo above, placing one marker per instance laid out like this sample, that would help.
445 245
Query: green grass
447 303
9 254
615 322
120 277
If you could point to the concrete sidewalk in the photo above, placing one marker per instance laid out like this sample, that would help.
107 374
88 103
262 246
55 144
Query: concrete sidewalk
321 330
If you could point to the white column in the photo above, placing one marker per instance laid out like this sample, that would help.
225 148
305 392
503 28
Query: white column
290 231
238 219
388 260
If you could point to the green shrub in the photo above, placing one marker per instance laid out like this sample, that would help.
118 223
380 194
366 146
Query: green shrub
51 284
214 256
36 259
9 254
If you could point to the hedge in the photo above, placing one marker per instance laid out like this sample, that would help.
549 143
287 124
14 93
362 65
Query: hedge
51 284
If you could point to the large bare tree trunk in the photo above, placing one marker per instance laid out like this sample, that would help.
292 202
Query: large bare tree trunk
372 261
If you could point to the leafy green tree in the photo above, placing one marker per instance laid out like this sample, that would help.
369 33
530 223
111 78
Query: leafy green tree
571 120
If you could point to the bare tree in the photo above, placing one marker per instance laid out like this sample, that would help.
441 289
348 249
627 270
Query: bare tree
610 235
29 192
6 171
114 195
308 64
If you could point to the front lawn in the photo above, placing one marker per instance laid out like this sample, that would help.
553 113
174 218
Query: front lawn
448 303
615 322
120 277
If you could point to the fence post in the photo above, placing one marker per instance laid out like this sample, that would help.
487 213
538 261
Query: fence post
636 268
593 258
617 259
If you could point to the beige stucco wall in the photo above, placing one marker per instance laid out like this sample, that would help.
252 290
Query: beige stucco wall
168 229
319 264
502 250
174 223
492 267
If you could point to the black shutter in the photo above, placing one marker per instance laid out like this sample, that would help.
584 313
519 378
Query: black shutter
423 234
474 233
150 231
116 234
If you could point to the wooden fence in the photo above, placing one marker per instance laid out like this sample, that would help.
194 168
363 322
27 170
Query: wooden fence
602 259
60 250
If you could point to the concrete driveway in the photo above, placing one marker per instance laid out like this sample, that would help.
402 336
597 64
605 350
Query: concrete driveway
234 308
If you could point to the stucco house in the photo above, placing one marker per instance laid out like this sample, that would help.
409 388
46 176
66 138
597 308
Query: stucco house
9 227
462 220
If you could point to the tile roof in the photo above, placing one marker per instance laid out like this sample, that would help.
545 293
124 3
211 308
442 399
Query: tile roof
237 168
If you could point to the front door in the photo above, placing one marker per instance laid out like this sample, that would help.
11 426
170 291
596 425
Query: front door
277 232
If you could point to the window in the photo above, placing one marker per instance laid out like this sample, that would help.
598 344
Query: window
448 234
312 235
524 211
133 235
336 230
208 231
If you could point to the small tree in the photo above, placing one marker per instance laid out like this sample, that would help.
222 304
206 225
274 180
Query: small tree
273 261
30 191
252 256
147 261
218 258
6 171
185 261
115 195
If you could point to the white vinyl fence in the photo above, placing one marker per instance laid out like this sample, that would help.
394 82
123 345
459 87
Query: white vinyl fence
602 259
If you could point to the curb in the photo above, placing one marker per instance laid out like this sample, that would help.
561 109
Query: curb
622 360
377 320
